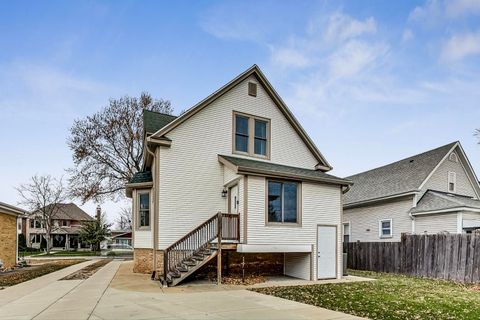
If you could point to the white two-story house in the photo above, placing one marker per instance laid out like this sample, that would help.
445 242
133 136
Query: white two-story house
242 153
435 191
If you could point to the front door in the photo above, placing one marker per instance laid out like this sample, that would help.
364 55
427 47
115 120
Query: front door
234 199
327 252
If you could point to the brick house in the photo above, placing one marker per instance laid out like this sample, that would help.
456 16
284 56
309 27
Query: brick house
10 221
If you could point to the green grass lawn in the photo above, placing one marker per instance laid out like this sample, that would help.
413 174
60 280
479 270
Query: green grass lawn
71 254
389 297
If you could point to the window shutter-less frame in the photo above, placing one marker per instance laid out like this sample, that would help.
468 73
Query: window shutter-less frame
252 89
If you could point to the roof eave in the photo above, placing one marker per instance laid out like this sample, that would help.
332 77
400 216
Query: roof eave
141 185
379 199
447 210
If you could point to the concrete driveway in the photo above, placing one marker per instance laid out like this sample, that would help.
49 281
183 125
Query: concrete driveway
114 292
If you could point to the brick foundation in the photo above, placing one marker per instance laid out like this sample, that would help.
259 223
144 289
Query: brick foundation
143 261
8 240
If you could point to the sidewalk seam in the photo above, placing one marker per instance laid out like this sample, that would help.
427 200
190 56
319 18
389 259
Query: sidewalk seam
103 293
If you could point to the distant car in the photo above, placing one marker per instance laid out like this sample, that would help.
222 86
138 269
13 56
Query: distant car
118 249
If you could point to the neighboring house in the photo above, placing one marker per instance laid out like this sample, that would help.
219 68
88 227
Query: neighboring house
122 237
67 223
243 153
118 237
10 221
431 192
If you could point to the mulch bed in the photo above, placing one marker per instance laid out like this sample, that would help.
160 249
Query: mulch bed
87 271
17 276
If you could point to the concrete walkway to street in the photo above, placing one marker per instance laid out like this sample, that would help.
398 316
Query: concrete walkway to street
114 292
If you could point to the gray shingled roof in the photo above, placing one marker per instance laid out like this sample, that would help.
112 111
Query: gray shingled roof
395 178
70 211
435 200
154 121
141 177
254 166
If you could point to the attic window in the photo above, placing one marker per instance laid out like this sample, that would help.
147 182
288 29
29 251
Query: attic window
252 89
453 157
452 181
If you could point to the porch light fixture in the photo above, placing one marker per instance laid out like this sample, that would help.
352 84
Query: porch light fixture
224 192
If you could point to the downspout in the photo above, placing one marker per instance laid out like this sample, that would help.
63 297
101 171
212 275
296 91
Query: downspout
347 187
155 215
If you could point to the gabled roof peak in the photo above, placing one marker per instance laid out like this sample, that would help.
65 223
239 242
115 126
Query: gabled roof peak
323 164
400 177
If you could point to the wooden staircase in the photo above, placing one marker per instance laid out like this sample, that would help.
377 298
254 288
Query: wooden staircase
198 247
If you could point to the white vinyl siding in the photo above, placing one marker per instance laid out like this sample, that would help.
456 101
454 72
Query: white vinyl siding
191 178
320 205
435 223
439 179
298 265
364 221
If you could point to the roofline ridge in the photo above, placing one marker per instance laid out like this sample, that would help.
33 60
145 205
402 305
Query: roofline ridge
162 113
406 158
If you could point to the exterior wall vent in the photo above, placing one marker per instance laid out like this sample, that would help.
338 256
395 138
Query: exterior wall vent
252 89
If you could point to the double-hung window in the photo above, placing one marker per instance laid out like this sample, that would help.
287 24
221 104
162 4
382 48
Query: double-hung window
452 180
385 228
283 202
241 133
251 135
144 209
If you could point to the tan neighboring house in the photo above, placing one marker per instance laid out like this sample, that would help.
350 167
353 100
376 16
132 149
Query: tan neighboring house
67 223
10 222
435 191
238 159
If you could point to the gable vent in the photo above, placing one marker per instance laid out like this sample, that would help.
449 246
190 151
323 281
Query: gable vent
252 89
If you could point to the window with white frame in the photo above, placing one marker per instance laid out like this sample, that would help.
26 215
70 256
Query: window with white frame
144 209
35 238
452 182
385 228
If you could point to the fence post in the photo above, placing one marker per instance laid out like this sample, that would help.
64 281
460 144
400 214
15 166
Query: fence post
219 250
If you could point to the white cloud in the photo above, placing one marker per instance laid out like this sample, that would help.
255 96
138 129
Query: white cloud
461 46
289 57
341 27
355 57
407 35
456 8
434 11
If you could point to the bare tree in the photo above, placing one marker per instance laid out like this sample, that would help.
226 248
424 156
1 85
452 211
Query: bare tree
43 195
124 219
107 147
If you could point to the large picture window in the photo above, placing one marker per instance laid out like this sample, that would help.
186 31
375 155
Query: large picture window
144 209
251 135
283 202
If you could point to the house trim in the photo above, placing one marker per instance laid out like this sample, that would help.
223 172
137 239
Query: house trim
379 199
254 70
10 210
285 248
245 209
448 210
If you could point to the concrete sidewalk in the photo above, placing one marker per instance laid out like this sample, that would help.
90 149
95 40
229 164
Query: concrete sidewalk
115 292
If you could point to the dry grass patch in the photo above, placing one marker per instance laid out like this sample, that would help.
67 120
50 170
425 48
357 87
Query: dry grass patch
87 271
17 276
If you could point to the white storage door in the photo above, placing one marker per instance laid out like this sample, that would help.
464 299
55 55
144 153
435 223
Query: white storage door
327 252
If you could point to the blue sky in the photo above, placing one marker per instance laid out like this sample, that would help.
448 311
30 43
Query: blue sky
371 81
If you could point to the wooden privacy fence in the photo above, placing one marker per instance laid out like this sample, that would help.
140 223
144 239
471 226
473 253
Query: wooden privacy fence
445 256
